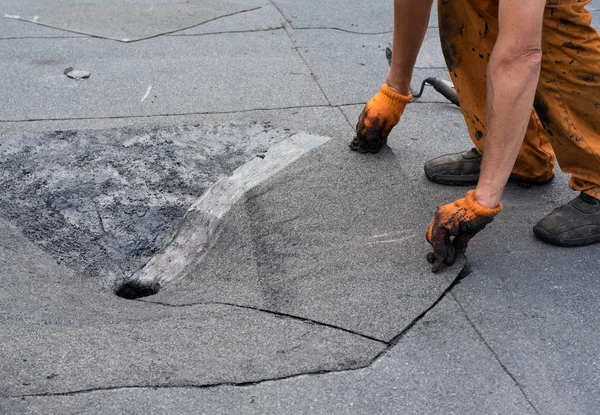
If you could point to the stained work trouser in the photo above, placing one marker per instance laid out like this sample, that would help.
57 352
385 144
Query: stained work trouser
566 114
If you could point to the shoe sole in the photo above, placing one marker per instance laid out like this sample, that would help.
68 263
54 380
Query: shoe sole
452 180
546 236
473 179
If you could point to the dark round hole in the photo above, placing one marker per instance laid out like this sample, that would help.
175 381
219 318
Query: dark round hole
131 290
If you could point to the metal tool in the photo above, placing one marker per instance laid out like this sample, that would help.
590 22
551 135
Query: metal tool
443 87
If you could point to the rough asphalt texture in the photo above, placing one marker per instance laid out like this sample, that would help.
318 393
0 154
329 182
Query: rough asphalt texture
103 202
316 297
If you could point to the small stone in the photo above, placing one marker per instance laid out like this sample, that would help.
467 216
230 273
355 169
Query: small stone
76 73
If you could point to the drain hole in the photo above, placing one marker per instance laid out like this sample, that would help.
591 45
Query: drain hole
131 290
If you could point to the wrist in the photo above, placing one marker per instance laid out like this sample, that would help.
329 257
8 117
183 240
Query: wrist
397 85
487 199
395 101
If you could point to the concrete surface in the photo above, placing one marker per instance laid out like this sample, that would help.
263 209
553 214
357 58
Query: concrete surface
170 66
319 269
61 334
441 366
130 22
338 59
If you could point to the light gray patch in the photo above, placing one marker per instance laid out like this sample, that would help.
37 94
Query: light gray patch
131 22
105 201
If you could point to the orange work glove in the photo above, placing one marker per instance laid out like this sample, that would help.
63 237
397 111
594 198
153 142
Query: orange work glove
461 220
377 119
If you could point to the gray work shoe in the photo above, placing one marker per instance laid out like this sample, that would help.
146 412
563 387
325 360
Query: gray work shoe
461 169
574 224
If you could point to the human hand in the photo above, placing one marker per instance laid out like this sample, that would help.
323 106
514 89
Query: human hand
460 220
377 119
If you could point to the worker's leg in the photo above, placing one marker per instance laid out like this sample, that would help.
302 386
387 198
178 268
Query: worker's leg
568 95
468 32
568 103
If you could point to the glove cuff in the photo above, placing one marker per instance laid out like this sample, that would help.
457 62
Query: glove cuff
395 99
474 206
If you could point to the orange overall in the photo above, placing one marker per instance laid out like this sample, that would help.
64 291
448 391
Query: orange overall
566 115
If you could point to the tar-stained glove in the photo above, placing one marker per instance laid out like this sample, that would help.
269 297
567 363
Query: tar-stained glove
377 119
459 220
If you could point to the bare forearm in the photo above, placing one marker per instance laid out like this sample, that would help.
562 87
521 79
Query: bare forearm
411 18
511 83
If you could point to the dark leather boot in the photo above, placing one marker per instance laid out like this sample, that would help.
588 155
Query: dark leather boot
574 224
462 169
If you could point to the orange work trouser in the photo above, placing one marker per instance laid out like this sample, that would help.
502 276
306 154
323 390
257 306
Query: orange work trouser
566 114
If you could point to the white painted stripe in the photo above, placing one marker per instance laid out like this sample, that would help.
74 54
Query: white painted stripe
202 218
391 241
379 236
146 94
